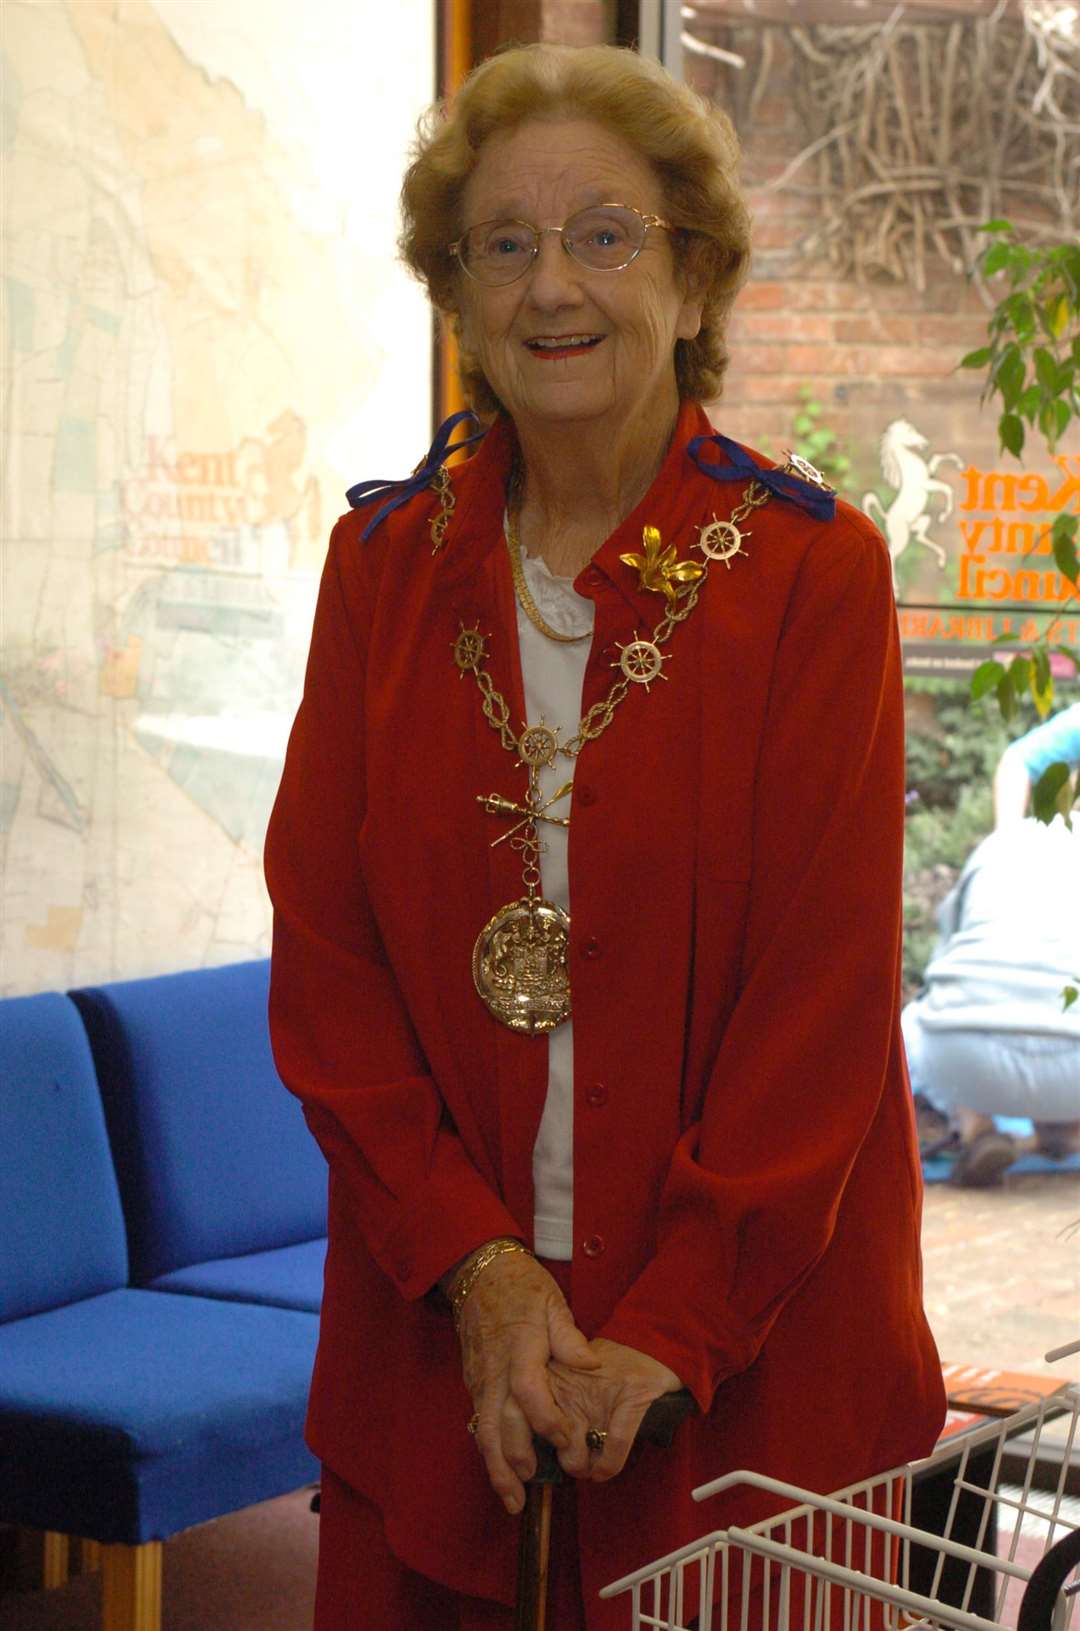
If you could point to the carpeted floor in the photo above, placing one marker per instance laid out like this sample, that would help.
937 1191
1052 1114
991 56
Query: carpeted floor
252 1571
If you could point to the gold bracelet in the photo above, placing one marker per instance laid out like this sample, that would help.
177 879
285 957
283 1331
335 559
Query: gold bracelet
469 1275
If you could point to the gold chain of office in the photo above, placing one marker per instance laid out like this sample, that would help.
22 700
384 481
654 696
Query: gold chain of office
640 660
520 958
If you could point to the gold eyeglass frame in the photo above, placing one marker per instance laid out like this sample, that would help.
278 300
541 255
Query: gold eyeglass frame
647 221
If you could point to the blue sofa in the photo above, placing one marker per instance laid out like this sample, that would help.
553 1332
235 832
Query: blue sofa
162 1209
223 1188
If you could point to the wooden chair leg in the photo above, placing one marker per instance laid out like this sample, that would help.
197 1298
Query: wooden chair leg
131 1587
87 1558
44 1559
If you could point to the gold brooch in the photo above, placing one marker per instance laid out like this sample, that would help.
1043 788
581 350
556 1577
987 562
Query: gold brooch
658 569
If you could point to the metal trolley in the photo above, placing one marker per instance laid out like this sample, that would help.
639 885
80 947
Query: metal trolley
854 1560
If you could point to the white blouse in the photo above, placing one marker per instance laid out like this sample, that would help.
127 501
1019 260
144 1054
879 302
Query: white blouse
554 676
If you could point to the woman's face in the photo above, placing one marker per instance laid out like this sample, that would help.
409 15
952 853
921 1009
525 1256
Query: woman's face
626 321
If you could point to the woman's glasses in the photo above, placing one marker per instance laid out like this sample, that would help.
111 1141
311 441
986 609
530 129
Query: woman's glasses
605 238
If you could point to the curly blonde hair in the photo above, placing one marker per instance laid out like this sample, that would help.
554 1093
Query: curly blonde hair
690 145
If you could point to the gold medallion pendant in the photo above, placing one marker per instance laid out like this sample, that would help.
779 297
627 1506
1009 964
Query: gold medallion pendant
519 965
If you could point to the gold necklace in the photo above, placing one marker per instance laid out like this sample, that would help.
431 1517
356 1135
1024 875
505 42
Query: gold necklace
521 588
519 960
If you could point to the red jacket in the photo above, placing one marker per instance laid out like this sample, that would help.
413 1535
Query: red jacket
746 1183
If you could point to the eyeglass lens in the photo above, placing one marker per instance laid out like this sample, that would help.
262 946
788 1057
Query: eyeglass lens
605 238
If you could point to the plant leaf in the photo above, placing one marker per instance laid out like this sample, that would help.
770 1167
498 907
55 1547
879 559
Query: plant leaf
1042 681
1045 369
986 678
1006 696
996 258
1059 317
1063 541
1011 433
1019 309
1020 672
1047 792
1009 374
1029 403
976 359
1068 997
1068 263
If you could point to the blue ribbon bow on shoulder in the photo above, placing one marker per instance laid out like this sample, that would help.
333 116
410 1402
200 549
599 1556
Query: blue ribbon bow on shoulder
814 500
397 493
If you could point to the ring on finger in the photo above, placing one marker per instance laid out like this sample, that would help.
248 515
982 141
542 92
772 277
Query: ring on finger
595 1439
473 1425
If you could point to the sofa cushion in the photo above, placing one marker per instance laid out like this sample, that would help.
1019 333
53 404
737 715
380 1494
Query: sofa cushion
129 1416
289 1277
61 1227
212 1154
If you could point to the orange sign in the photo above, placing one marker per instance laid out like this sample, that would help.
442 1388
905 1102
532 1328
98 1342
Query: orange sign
1006 535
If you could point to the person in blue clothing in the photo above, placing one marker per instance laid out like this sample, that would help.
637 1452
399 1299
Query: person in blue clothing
990 1034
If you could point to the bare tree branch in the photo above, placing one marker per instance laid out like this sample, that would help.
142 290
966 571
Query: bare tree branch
897 112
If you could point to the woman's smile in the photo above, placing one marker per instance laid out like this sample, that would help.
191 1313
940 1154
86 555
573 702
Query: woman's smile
549 346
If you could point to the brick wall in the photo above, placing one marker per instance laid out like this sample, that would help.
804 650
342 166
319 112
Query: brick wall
868 351
873 353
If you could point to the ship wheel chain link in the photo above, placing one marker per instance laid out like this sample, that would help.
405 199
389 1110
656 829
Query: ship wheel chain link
640 662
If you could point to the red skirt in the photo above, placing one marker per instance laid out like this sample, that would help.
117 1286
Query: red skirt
362 1586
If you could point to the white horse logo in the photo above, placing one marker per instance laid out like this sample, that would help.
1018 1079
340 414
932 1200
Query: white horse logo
905 467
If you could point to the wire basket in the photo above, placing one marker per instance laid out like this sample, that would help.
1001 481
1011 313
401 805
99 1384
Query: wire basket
854 1561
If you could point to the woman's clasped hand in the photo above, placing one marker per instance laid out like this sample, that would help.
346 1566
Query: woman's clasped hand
532 1372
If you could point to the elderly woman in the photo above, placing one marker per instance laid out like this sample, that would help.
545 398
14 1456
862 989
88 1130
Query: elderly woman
586 868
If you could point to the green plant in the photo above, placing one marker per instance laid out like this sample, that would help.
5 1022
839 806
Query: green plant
1032 365
1033 360
960 751
817 443
950 766
937 842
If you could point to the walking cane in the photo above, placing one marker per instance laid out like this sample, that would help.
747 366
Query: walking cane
534 1547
